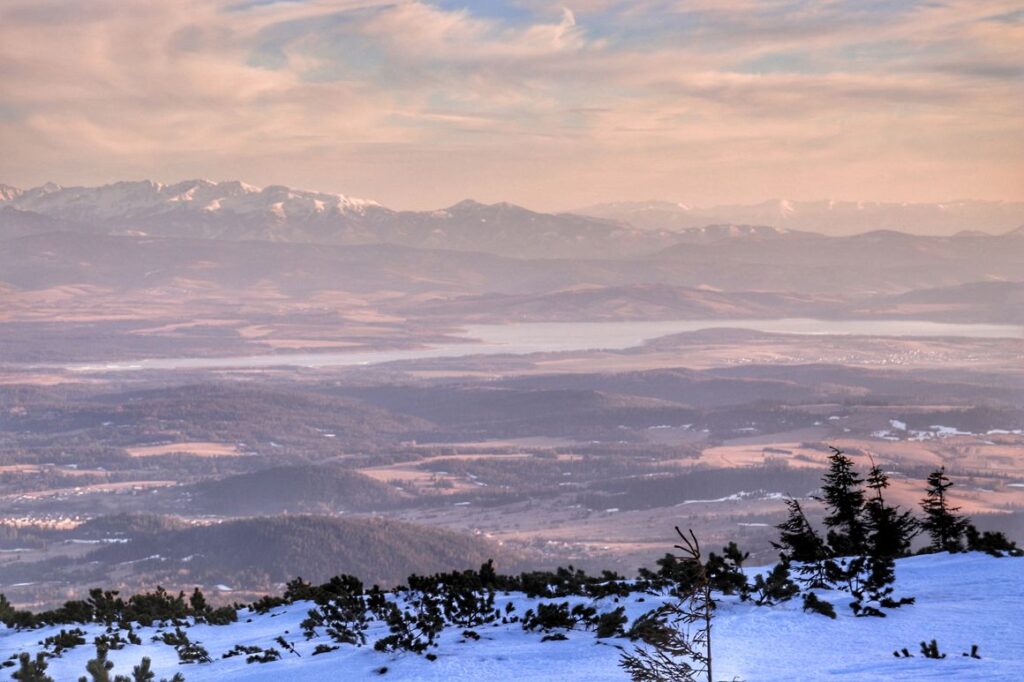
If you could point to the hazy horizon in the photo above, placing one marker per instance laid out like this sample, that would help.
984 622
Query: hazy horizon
639 200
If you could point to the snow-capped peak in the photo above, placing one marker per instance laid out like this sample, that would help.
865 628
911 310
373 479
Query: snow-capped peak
711 233
145 198
8 193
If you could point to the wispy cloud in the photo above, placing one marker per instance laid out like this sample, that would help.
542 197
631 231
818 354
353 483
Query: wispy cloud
418 104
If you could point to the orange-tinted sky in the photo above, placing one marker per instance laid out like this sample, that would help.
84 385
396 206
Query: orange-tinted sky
553 106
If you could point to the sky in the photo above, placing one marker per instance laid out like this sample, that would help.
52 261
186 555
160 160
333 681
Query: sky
550 105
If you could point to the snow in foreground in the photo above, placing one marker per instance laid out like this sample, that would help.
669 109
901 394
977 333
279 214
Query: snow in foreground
962 600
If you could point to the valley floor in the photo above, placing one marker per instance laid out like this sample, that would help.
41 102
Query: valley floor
961 600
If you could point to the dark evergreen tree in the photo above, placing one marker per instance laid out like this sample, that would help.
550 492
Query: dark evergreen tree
198 603
890 531
7 611
64 640
871 581
815 605
931 650
99 668
673 571
944 526
844 502
286 645
775 586
31 670
99 671
678 634
341 610
414 629
870 575
188 651
142 672
800 543
991 542
612 623
726 571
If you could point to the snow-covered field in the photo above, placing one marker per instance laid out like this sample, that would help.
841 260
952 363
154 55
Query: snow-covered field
962 600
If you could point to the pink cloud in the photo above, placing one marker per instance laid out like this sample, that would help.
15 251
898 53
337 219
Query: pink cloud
554 112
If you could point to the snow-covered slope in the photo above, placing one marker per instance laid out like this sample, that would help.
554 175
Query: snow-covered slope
235 211
8 193
962 600
123 200
714 233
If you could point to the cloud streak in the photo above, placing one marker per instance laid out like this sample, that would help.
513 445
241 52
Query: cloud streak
418 104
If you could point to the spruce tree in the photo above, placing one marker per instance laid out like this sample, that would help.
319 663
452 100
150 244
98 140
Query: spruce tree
944 526
678 634
775 586
844 501
7 612
871 574
726 572
890 531
800 543
990 542
198 603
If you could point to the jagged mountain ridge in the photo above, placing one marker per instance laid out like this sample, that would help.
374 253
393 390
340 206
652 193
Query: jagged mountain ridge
235 211
122 200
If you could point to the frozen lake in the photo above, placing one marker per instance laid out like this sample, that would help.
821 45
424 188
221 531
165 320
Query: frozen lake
553 337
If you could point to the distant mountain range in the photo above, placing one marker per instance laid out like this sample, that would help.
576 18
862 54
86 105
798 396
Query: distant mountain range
236 211
877 262
825 217
473 261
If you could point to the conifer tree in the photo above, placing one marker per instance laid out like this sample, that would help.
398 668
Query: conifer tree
800 543
943 525
876 590
726 572
679 633
7 611
990 542
815 605
198 603
776 586
99 671
890 531
99 668
871 574
142 672
844 501
30 670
